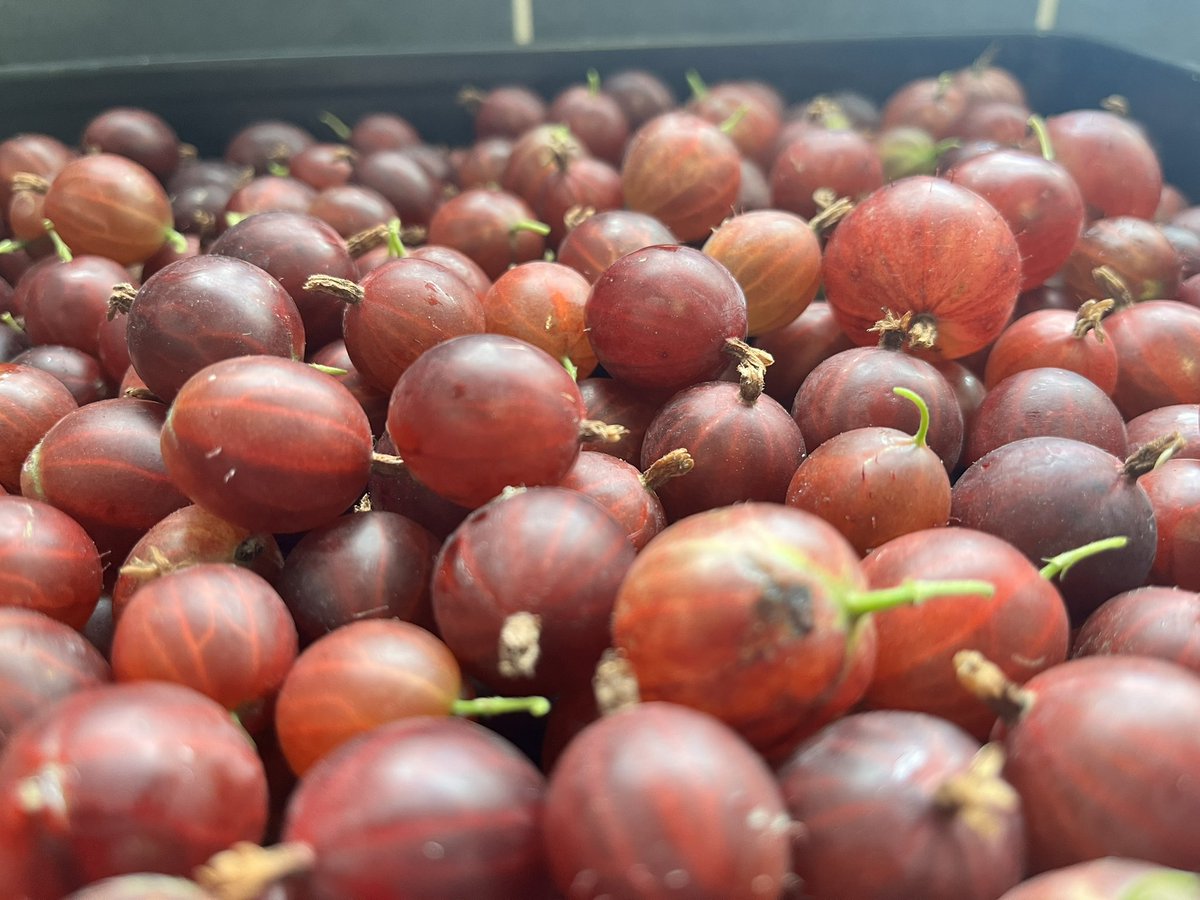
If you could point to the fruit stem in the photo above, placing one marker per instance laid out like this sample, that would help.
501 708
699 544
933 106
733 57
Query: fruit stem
987 681
827 113
1090 317
979 794
366 240
157 564
696 83
577 215
1038 126
329 370
922 408
500 706
385 461
670 465
8 321
1117 104
177 241
922 334
615 684
61 250
1058 566
121 299
985 59
734 118
892 329
530 225
335 124
520 645
27 181
572 369
1153 454
861 603
592 431
245 870
1111 282
470 98
751 366
395 241
141 393
944 146
593 82
340 288
11 246
831 212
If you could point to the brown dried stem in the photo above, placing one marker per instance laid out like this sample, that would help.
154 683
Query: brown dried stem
1113 285
670 465
27 181
120 301
1090 316
341 288
366 240
988 682
593 431
245 870
1151 455
979 794
385 461
751 367
615 683
520 645
832 210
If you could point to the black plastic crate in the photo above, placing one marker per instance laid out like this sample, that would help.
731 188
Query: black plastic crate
207 101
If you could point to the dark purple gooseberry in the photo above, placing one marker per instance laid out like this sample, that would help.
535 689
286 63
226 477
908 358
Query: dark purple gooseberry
68 303
659 318
290 247
79 372
41 661
201 310
366 565
902 804
641 95
373 401
609 400
393 488
1102 751
1046 402
91 788
600 240
403 182
261 145
1147 621
452 810
799 347
138 134
530 623
745 447
853 389
659 800
1047 495
1183 418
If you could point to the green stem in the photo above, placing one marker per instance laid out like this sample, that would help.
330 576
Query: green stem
945 145
11 246
593 82
734 119
1058 566
60 249
395 244
530 225
328 370
278 169
1163 885
912 593
232 218
1038 126
340 129
499 706
177 241
572 369
922 408
7 320
696 83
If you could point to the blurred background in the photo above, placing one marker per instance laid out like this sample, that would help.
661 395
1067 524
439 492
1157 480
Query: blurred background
71 31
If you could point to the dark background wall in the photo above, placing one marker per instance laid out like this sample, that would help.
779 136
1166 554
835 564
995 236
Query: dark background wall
74 31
